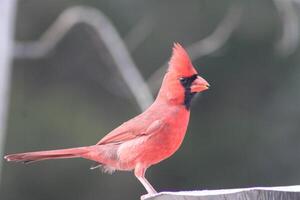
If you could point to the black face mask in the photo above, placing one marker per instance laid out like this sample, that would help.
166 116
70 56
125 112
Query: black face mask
186 82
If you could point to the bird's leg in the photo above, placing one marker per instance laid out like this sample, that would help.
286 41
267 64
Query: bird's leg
139 172
147 185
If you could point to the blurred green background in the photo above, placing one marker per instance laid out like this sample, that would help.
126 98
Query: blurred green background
243 132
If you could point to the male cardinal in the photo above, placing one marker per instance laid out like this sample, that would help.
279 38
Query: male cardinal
148 138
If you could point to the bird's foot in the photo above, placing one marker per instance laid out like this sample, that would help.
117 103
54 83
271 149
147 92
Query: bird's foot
146 196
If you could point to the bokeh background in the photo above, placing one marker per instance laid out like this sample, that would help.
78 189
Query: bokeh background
243 132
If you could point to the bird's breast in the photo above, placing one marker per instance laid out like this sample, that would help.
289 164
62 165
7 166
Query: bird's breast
158 145
175 129
163 144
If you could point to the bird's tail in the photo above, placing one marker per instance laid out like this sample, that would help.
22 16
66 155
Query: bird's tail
51 154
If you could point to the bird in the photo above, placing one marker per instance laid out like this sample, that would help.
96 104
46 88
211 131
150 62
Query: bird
148 138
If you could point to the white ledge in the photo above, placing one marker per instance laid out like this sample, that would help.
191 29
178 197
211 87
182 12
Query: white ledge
255 193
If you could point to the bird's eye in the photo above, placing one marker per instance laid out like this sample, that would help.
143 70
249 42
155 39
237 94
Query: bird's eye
187 81
183 80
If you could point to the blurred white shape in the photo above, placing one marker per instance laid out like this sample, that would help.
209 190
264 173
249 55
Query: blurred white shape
108 35
289 40
7 10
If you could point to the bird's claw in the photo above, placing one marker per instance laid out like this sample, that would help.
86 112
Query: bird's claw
146 196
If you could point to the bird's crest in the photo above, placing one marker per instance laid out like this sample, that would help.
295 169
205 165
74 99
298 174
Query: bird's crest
180 62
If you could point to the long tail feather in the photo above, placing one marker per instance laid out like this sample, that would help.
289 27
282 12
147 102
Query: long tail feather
45 155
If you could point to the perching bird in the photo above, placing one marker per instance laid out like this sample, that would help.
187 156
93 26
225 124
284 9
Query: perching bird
148 138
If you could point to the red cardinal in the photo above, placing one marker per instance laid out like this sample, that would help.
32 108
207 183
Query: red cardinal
149 137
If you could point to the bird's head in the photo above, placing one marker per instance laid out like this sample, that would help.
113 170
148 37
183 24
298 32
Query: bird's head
181 81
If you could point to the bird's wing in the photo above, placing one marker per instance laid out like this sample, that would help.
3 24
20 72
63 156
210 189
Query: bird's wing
128 132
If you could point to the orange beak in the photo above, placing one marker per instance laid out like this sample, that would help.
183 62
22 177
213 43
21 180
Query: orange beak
199 85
